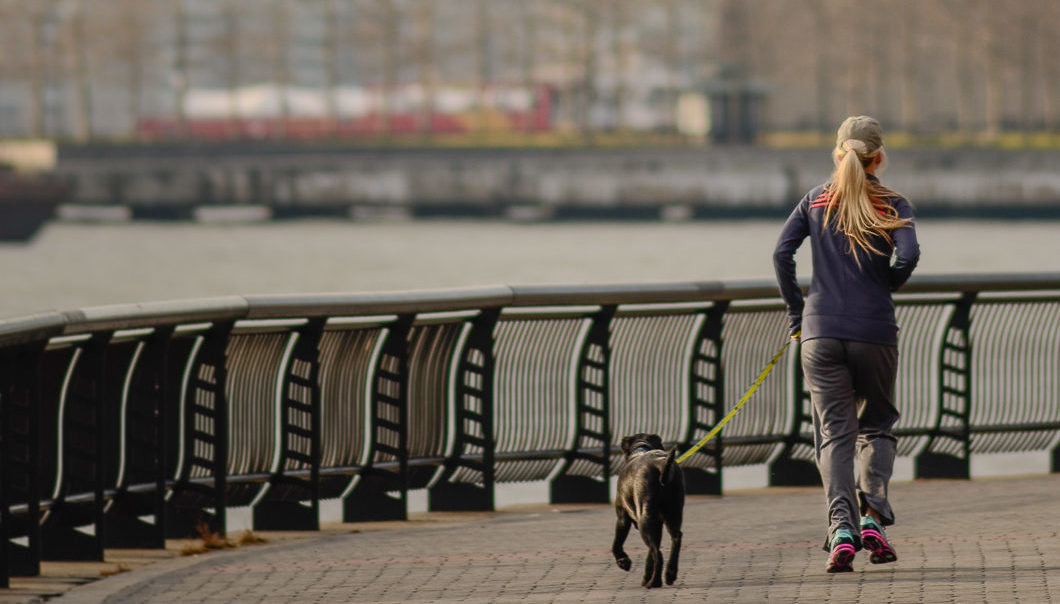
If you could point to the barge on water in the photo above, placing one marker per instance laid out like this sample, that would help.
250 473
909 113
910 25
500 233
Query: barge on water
27 201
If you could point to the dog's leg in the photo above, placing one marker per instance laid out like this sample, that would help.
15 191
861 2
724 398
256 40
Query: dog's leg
673 526
651 532
649 568
621 531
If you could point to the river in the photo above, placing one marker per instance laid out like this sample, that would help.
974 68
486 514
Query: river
76 264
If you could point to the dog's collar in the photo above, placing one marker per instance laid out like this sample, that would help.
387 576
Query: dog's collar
641 448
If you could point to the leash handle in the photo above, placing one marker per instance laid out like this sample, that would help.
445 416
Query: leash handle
747 395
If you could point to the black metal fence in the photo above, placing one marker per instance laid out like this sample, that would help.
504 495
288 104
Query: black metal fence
124 425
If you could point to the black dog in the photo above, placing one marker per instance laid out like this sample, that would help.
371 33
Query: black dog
651 492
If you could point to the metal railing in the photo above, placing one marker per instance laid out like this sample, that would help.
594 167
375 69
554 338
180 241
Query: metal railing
139 422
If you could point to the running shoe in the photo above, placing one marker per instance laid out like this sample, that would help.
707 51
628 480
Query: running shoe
841 559
873 539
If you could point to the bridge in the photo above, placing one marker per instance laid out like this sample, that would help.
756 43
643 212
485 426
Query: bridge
124 426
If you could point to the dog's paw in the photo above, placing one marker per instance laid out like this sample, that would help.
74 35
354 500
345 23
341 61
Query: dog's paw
624 562
671 577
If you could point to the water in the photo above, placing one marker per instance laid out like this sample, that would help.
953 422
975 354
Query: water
71 265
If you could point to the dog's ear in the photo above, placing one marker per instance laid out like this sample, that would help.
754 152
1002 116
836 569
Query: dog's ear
627 443
655 440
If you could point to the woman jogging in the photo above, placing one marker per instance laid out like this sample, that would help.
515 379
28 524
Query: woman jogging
849 334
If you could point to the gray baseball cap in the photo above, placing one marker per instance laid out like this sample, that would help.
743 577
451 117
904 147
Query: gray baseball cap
862 128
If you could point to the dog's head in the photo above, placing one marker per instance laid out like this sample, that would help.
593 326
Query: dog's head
641 442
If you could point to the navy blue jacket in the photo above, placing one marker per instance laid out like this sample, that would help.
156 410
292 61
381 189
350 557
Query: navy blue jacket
845 301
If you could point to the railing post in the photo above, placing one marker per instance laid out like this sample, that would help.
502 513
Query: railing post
592 443
20 445
474 423
299 441
82 453
706 383
205 441
786 471
946 454
388 435
5 511
145 452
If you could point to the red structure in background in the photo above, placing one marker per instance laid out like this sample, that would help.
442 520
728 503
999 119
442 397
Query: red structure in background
371 124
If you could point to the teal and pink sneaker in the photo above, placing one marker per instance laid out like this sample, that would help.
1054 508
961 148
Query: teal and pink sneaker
841 558
873 539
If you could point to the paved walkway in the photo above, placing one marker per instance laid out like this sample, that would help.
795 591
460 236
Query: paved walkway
986 540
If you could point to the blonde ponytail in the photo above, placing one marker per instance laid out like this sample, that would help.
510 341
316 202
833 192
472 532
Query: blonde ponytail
856 202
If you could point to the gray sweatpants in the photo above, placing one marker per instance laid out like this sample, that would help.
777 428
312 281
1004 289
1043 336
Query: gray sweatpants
851 387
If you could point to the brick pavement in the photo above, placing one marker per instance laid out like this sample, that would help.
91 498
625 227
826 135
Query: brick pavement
986 540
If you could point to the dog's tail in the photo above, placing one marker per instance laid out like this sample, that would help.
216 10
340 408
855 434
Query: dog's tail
668 467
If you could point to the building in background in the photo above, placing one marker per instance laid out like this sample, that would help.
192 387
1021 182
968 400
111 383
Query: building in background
394 69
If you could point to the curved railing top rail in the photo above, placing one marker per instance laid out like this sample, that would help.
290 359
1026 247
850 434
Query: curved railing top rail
41 326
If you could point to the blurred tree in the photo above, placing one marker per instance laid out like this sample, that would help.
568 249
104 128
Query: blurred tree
26 49
672 61
962 33
590 21
77 48
620 51
426 65
1049 50
484 59
130 51
528 56
180 74
281 62
230 42
377 47
330 56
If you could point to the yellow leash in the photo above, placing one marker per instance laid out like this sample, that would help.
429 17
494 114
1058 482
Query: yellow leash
746 396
